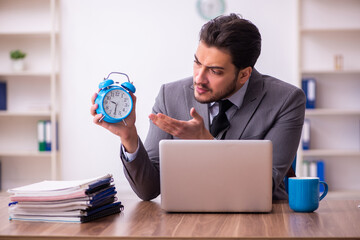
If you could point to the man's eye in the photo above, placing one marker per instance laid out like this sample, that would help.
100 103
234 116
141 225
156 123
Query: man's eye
213 71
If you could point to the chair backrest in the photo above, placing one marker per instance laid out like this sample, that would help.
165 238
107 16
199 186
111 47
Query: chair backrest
286 179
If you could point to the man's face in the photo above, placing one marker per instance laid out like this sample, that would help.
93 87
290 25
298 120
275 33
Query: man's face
215 76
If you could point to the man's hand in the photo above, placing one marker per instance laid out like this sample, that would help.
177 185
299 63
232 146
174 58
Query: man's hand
192 129
127 133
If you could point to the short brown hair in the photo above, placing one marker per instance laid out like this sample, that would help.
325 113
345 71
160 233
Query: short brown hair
238 36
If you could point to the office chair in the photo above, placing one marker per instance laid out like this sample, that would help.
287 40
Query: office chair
290 173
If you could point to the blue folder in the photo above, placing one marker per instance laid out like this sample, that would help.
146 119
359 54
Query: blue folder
2 95
321 173
309 88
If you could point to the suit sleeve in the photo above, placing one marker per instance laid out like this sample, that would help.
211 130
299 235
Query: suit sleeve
143 172
285 135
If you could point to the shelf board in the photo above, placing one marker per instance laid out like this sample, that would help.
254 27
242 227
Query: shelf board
39 33
26 114
24 153
330 153
330 30
331 112
25 74
344 194
331 72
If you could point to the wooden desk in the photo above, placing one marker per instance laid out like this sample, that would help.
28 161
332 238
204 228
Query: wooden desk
334 219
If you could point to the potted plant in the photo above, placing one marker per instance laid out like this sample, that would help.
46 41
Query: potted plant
17 56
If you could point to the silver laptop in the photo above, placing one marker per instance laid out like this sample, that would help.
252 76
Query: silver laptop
216 175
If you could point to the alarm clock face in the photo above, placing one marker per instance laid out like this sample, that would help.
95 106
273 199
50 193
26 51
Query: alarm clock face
117 104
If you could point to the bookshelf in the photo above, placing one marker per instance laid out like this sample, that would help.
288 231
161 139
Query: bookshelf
329 28
32 94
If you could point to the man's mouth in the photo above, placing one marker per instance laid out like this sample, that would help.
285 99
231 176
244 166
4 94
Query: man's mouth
201 89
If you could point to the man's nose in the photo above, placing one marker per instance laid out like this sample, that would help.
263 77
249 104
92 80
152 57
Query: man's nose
200 77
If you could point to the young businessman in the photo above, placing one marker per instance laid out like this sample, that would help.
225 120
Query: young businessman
261 107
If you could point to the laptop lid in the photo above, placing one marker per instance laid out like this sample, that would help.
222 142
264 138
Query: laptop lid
216 175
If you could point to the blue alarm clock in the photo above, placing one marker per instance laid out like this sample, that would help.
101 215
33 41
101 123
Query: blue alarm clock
114 100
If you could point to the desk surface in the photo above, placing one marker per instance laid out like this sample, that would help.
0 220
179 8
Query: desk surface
139 220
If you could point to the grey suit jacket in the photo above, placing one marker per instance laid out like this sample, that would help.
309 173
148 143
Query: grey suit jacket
272 109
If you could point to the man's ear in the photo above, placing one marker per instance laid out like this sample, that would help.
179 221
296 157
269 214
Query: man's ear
245 74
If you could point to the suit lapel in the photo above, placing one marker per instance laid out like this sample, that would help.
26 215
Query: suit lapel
239 121
252 99
200 108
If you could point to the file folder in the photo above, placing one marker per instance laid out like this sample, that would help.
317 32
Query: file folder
306 135
309 88
321 173
47 135
41 136
3 96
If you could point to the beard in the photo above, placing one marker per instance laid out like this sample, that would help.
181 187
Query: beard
227 91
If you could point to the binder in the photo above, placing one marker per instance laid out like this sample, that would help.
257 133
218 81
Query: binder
309 88
321 173
41 136
306 135
313 169
305 169
103 211
3 97
47 135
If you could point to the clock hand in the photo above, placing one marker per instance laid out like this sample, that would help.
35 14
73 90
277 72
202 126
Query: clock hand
116 104
115 109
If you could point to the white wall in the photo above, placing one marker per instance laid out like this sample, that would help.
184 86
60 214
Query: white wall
154 43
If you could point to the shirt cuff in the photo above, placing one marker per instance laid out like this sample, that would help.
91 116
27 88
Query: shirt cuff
130 156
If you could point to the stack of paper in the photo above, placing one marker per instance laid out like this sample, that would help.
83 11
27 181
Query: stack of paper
65 201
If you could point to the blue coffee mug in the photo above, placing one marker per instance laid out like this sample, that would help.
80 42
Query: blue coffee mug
304 195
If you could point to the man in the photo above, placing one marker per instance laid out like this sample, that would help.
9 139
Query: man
261 107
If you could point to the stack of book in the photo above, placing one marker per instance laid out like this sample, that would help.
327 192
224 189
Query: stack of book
65 201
